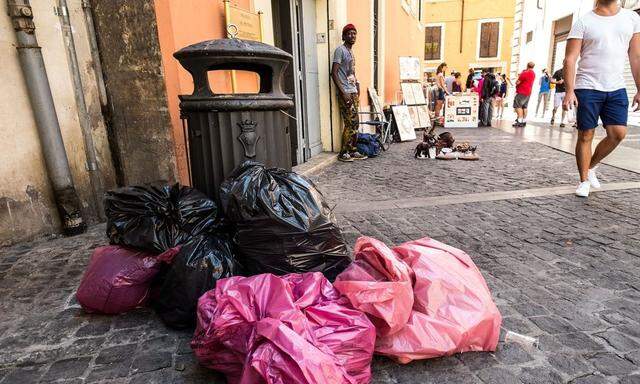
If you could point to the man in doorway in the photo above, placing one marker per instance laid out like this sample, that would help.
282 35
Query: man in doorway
543 95
524 85
343 73
558 98
597 88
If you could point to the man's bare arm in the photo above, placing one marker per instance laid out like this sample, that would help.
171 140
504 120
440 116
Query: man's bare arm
634 60
336 80
574 46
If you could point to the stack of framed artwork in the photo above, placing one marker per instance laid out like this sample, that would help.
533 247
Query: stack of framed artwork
414 113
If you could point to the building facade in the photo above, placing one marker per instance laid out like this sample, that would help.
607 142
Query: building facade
131 84
468 34
541 36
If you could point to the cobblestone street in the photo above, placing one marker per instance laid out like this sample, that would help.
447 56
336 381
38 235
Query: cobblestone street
562 269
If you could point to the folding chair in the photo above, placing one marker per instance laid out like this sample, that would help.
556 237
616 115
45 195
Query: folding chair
380 122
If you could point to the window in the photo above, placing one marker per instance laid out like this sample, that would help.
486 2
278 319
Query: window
489 39
529 36
433 43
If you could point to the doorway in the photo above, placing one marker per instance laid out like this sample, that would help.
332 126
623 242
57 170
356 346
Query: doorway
294 24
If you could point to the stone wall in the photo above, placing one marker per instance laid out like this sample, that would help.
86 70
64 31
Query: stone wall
139 122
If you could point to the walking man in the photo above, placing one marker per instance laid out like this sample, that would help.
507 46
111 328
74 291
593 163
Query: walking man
545 89
343 73
597 88
558 98
524 85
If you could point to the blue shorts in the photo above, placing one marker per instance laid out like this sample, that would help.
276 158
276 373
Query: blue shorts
611 107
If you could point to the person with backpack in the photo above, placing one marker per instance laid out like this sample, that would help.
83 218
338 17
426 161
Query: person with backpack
490 88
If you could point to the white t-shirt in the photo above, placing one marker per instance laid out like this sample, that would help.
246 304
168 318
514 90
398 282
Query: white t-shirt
605 46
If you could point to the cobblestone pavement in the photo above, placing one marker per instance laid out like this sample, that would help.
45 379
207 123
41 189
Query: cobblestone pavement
560 268
507 163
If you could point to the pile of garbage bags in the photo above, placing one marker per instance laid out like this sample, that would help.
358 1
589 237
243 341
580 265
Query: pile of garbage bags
255 279
423 299
275 221
291 329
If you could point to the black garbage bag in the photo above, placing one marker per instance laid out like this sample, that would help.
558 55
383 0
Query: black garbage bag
155 218
201 262
282 223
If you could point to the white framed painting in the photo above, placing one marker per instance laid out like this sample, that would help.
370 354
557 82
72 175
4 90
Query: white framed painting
407 93
409 68
418 93
404 122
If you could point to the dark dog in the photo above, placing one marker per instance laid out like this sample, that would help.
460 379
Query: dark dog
428 141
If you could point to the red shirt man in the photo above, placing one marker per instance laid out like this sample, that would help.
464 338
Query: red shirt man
524 85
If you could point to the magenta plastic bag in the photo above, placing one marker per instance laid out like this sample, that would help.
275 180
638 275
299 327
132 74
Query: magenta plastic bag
290 329
118 279
452 309
379 284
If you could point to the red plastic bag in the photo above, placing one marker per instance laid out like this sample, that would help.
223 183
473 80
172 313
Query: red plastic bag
290 329
452 307
118 279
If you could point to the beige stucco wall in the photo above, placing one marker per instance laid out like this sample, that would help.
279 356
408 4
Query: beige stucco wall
26 202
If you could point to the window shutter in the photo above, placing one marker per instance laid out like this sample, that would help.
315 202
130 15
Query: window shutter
489 39
432 43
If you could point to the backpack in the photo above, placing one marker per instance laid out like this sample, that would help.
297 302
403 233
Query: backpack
368 144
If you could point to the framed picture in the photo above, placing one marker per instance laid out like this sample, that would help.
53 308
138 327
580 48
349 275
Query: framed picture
375 100
423 114
418 93
407 93
415 117
404 122
409 68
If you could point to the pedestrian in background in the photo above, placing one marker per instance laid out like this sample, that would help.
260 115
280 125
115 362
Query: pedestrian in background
558 98
502 95
449 81
524 86
545 90
597 88
457 84
469 84
442 87
343 73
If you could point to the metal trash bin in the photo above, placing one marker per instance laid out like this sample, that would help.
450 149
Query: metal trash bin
224 130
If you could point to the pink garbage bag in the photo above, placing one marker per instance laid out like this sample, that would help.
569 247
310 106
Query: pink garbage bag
452 307
290 329
118 279
379 284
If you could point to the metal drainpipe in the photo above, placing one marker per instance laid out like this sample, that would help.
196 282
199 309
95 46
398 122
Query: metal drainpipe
95 178
95 55
44 111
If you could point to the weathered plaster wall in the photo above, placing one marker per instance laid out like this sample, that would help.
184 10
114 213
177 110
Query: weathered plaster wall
26 203
132 66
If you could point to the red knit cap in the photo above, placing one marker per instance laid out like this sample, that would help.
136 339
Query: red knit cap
349 27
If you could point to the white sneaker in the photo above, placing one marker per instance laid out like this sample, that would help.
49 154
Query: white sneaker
593 179
583 189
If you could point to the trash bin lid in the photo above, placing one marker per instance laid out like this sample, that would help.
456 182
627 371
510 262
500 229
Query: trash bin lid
232 48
